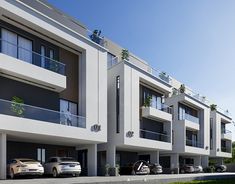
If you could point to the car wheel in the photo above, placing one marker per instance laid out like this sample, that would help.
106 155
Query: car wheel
219 170
182 171
12 175
55 173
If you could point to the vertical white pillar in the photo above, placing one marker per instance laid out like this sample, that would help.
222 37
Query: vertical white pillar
205 161
111 155
175 162
92 160
154 157
197 160
3 155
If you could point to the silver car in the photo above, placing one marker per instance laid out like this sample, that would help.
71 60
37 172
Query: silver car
56 166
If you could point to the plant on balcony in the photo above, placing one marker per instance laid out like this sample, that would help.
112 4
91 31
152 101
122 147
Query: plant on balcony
96 36
125 54
213 107
182 88
17 106
164 76
148 101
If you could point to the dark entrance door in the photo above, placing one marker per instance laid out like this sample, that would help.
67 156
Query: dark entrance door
82 158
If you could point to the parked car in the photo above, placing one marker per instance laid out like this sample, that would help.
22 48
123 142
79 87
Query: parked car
220 168
24 166
198 169
155 168
56 166
186 169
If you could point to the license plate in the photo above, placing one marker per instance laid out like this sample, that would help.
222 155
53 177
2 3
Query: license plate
71 165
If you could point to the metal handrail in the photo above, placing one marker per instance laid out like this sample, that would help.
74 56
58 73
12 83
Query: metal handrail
80 120
62 65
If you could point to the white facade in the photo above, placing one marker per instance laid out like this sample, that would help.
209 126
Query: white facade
92 106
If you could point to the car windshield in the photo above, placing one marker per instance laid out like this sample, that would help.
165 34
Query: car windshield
27 160
65 159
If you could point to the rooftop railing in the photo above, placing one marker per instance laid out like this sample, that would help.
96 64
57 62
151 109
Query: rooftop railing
12 108
225 112
31 57
147 134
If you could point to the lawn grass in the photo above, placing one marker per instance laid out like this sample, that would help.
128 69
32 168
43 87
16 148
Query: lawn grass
221 181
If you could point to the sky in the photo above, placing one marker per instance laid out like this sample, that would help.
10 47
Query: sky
193 41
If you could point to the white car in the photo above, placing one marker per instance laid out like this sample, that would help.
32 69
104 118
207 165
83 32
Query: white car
24 166
198 169
56 166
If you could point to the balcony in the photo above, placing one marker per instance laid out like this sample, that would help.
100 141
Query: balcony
226 149
191 121
147 134
193 143
226 134
163 113
24 111
31 67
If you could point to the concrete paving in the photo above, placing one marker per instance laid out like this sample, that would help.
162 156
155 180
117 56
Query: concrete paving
150 179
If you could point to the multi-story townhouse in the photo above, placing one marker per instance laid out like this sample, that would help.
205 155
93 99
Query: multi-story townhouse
53 95
191 127
137 128
220 135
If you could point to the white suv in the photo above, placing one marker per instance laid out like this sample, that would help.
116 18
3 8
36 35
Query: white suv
62 166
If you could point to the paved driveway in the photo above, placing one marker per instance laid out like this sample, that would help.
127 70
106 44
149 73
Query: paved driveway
122 179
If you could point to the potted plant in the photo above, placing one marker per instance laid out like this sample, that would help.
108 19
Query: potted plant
95 36
164 76
114 171
182 88
213 107
125 54
17 106
148 101
107 167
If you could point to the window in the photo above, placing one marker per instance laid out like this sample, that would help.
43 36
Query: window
118 104
43 54
24 49
211 133
9 43
51 54
41 155
16 46
112 59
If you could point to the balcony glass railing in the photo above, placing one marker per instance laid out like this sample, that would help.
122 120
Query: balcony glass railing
31 57
147 134
163 107
225 131
226 149
193 143
36 113
189 118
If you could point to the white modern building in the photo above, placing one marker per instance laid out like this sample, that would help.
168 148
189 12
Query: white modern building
53 97
68 92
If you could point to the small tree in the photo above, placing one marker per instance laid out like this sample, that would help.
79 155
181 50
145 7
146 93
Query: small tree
148 101
213 107
17 106
125 54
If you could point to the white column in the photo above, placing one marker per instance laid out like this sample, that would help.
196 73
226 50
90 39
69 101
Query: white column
111 155
3 155
154 157
205 161
175 162
92 160
197 161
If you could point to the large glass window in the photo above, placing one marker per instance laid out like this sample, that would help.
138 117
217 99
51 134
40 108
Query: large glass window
43 54
16 46
41 155
24 49
9 43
